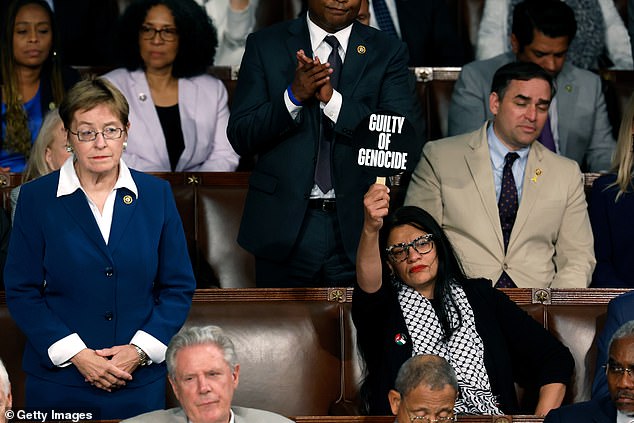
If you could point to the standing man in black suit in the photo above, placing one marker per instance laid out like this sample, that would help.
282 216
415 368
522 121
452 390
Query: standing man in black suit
618 407
296 105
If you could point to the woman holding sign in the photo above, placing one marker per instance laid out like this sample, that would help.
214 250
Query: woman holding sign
412 297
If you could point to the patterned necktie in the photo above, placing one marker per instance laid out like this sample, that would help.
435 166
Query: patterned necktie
323 177
547 138
507 207
383 18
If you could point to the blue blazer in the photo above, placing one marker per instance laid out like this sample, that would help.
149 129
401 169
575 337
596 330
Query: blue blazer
602 411
620 310
62 278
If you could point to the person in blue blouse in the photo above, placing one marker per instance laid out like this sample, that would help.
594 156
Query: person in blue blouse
33 80
98 276
611 208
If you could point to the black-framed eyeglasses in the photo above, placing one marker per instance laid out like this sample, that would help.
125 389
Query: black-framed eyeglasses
400 252
613 369
108 133
166 34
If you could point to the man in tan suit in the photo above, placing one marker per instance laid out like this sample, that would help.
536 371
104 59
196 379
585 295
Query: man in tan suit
547 239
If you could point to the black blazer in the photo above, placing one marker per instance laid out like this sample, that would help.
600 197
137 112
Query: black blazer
596 411
516 347
430 33
374 77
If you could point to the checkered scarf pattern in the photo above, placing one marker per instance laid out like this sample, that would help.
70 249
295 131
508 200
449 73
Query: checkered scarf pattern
464 350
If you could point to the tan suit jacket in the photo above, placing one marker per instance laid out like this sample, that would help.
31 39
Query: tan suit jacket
177 415
551 244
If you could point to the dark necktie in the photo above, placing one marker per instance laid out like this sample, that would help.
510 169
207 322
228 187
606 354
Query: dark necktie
507 207
323 177
383 18
547 138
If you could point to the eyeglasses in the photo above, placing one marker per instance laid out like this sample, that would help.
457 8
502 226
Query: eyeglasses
425 419
166 34
400 252
614 369
108 133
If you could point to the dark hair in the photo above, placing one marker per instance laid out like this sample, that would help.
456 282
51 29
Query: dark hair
197 39
18 136
520 71
553 18
449 267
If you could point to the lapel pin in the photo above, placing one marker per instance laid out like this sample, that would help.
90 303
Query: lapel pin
400 339
538 173
127 199
568 88
142 96
52 105
361 49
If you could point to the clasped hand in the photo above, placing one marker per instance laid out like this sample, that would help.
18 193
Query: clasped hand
108 368
312 79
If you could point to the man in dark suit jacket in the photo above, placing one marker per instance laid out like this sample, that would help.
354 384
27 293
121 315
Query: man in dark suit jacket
300 234
620 310
619 406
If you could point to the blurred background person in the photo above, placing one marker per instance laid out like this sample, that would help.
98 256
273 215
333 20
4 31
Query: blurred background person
98 277
180 112
422 303
601 40
364 12
611 209
426 386
234 20
49 152
5 392
33 79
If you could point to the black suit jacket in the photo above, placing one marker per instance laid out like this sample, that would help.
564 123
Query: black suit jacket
430 33
517 349
374 77
596 411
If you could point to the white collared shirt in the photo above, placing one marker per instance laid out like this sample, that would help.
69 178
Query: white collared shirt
498 152
232 418
623 418
64 349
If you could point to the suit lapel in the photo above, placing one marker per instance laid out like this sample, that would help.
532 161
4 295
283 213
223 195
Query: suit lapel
77 206
479 163
124 207
153 139
187 104
356 59
567 97
535 180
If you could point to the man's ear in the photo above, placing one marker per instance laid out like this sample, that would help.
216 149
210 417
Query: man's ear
395 400
515 44
494 103
173 385
236 376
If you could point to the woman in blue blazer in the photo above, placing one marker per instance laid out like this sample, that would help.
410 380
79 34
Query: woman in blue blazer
98 276
611 207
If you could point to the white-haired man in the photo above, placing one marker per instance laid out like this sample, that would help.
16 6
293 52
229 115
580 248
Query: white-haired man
5 392
204 373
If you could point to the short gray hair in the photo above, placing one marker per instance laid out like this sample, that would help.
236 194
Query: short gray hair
200 335
626 330
427 369
5 385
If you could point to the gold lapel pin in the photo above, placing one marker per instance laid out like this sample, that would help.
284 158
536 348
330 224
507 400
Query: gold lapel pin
538 173
127 199
361 49
569 88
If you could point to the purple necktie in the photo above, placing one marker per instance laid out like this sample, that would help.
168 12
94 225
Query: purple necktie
546 137
507 207
323 177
